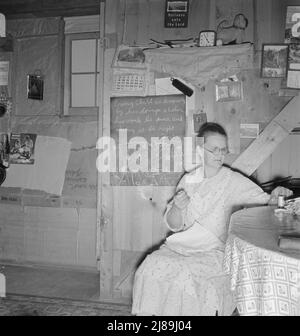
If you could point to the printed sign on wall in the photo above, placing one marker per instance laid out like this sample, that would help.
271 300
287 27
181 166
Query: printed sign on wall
292 25
176 14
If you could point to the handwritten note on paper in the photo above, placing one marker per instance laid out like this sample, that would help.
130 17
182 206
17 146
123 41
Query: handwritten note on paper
148 117
48 171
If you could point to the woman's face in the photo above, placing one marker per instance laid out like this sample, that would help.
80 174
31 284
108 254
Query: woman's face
215 150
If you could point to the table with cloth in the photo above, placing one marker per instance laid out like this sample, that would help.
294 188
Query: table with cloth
264 278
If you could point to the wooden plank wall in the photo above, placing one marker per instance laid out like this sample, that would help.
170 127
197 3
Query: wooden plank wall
131 220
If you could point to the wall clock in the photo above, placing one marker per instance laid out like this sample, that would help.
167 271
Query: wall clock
207 38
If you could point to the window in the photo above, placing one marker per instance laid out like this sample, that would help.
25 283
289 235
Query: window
82 66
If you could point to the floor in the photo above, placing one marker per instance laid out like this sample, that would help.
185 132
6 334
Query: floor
47 291
51 282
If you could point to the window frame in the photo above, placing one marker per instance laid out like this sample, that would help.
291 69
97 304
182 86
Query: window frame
68 110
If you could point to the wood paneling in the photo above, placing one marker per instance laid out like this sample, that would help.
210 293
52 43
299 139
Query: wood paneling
276 131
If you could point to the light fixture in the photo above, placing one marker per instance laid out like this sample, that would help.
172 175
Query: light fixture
182 87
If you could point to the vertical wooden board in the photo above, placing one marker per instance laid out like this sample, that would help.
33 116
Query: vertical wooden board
105 195
198 16
263 172
128 264
131 22
58 218
270 19
11 214
34 244
12 242
132 218
86 238
263 18
226 10
280 159
117 263
209 97
294 161
11 232
60 247
161 196
228 115
144 21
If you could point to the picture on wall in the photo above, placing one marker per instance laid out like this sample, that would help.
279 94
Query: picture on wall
292 25
176 14
22 148
274 60
35 87
294 56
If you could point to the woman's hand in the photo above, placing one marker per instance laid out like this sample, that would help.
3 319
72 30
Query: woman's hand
279 191
181 199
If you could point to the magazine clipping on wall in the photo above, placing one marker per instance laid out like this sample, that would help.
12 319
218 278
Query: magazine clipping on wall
22 148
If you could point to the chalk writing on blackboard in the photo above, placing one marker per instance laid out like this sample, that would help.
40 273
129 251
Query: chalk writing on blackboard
150 118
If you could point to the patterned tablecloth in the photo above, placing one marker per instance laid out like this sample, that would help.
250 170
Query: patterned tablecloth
266 280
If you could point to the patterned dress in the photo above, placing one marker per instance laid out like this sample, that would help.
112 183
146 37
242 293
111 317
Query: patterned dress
185 276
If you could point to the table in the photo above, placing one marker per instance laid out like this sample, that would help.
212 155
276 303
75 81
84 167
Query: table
265 280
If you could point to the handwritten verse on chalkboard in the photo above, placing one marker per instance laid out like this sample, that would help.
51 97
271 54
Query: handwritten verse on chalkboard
148 117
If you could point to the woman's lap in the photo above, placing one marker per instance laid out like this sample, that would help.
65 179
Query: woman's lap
168 283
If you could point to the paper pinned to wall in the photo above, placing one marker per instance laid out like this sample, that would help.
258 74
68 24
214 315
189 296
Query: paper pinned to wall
163 86
48 171
4 70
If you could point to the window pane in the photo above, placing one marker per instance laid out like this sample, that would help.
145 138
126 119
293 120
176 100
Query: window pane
83 55
83 90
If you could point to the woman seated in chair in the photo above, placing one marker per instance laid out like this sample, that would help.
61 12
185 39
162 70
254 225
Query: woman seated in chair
185 276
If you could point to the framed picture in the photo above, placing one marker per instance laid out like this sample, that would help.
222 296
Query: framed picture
228 91
274 60
35 87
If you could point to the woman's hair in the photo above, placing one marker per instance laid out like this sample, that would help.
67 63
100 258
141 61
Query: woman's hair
209 128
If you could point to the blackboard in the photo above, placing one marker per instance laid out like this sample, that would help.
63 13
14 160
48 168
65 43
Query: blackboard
148 117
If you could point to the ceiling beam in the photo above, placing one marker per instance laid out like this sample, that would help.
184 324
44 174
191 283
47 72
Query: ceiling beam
15 9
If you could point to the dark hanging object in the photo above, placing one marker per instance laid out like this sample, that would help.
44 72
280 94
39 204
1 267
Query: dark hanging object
182 87
3 109
2 174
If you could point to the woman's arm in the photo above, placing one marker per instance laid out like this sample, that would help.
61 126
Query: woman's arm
174 216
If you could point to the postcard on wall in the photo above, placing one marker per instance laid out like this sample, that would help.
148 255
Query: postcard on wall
129 57
199 119
249 131
292 25
22 148
293 79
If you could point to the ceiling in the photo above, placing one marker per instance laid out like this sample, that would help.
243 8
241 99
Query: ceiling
14 9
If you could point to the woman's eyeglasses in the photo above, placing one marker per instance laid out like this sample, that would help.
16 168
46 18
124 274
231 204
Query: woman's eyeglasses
217 151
